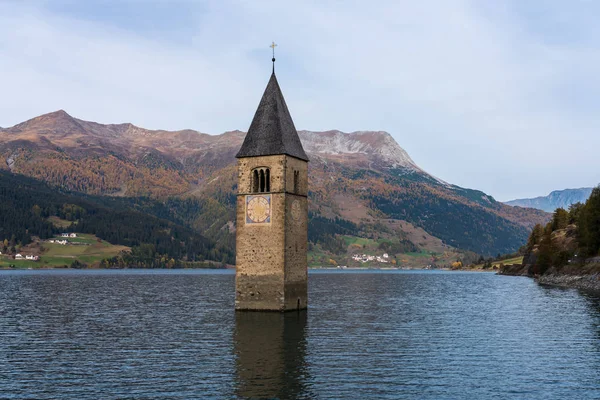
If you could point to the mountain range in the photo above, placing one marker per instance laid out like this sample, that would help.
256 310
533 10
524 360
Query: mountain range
556 199
362 184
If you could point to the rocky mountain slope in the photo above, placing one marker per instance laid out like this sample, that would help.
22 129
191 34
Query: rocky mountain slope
362 178
556 199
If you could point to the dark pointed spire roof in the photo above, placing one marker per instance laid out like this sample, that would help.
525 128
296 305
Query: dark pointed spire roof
272 130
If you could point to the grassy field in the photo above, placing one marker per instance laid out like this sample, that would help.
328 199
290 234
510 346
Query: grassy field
420 254
59 223
359 241
89 250
508 261
317 257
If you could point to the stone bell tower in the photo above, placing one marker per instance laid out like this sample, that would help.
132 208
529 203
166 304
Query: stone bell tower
272 211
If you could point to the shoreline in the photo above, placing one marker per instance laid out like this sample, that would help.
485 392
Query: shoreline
582 282
582 277
233 269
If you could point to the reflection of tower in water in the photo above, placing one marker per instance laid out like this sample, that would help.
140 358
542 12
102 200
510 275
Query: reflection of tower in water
270 355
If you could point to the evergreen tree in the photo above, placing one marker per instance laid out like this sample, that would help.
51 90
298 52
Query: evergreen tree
560 219
574 212
585 217
535 237
589 224
545 252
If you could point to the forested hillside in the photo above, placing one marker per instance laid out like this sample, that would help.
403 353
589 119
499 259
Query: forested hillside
571 238
26 205
362 184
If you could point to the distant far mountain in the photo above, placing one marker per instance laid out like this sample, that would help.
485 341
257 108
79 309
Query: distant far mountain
362 185
556 199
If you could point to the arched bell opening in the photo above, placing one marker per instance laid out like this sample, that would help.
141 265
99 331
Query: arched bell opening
255 181
261 180
296 181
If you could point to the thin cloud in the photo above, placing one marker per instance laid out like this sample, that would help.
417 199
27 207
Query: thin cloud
482 95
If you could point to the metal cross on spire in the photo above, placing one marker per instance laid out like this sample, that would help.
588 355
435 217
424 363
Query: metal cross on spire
272 46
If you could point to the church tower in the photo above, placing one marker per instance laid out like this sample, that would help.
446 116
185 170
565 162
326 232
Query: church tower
272 211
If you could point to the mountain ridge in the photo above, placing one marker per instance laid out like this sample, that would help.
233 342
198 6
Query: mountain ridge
364 177
64 126
556 199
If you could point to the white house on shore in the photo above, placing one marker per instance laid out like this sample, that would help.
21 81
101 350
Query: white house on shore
18 256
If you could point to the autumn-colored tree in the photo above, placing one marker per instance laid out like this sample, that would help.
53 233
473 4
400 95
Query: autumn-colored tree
456 265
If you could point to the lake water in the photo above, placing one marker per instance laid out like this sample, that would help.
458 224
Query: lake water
397 334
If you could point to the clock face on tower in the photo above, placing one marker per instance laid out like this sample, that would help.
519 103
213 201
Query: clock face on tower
296 210
258 209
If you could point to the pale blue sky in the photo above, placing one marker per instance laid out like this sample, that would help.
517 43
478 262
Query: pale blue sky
497 96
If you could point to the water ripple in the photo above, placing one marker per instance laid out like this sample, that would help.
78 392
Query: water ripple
163 334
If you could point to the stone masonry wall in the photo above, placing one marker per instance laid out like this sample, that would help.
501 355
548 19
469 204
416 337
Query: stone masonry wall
296 236
271 258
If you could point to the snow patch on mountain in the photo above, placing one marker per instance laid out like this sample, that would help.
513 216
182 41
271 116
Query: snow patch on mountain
371 143
378 146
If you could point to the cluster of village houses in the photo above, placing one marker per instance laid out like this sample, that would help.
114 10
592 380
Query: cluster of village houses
20 256
63 241
363 258
27 257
